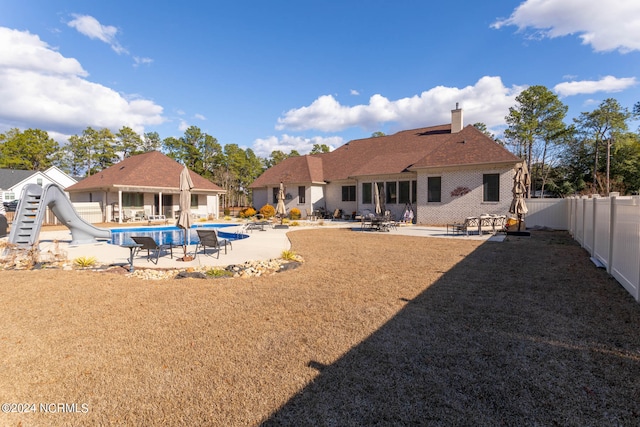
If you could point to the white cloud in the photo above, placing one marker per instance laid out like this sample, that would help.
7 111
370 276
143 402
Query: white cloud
354 92
200 117
23 51
40 88
605 25
183 126
90 27
605 84
137 61
487 101
286 143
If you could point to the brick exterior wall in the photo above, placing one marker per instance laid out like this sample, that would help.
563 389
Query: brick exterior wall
457 208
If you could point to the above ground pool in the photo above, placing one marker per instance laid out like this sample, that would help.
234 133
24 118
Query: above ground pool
164 235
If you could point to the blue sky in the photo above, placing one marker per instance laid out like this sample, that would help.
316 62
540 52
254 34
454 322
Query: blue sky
288 74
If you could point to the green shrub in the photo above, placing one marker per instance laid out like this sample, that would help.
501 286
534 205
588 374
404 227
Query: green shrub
268 211
227 212
295 213
295 224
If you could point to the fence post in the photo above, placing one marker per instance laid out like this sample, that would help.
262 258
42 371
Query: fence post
612 230
594 223
636 200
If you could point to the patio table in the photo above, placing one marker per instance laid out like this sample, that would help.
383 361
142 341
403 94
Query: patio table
132 247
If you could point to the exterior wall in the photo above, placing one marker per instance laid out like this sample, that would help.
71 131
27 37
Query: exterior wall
457 208
316 197
213 206
259 198
33 179
59 177
333 198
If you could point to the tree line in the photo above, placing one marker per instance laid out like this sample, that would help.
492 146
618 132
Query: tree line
594 154
231 167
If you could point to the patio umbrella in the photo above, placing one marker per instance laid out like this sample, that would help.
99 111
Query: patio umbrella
521 181
280 208
376 199
184 220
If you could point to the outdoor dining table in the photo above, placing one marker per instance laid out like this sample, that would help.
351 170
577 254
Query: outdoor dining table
380 224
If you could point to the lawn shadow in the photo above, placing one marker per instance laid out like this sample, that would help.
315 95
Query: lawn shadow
524 332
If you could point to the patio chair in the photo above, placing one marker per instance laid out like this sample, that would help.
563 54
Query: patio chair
127 215
390 220
367 220
309 216
210 239
470 224
149 244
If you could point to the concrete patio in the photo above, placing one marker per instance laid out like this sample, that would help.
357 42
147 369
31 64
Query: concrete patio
261 245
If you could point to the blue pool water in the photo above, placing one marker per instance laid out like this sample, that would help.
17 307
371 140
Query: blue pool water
168 234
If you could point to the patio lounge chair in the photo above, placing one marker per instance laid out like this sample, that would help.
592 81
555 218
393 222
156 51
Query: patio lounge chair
151 245
210 239
255 225
470 224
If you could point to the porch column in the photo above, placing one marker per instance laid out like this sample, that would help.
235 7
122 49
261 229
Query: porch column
159 204
120 207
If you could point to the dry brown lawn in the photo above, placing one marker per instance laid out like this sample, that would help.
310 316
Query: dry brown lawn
373 329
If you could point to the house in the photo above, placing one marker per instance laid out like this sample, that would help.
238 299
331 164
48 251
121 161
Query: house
144 185
12 181
442 173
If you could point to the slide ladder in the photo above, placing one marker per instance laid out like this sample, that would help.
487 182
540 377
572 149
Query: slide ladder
25 225
31 211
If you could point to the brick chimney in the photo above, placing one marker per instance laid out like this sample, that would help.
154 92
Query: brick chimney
456 119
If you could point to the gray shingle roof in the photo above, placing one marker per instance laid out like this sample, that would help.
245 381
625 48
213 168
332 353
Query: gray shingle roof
10 177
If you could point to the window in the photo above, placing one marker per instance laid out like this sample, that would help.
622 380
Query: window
404 191
133 200
301 194
348 193
367 188
392 194
39 181
491 187
275 195
194 201
434 189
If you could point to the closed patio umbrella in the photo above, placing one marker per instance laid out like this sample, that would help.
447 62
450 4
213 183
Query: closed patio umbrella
184 220
521 181
280 208
376 199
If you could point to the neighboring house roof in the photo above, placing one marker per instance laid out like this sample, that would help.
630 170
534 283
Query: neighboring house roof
10 177
430 147
152 171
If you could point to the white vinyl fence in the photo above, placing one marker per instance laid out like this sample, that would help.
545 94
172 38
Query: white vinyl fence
607 227
89 211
